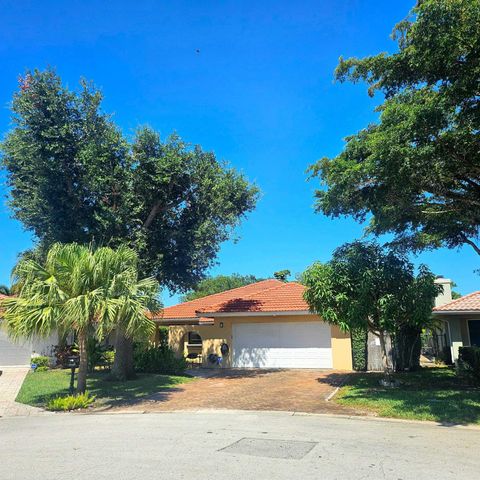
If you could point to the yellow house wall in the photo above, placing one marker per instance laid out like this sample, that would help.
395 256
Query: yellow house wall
212 339
214 335
341 349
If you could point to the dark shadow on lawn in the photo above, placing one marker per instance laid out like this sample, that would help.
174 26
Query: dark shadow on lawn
40 400
132 392
439 393
449 409
113 393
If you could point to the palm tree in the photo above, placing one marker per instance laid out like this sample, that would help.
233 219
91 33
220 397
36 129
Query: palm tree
4 290
90 292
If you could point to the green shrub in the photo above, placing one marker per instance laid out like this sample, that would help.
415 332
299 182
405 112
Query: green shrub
151 359
359 349
70 402
42 362
163 336
109 356
97 353
469 361
62 352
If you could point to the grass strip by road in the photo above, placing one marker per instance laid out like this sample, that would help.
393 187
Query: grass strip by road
39 387
436 394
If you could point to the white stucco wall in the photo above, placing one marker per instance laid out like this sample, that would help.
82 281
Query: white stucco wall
445 296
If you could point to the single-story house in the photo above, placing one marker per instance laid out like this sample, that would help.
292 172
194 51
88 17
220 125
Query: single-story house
263 325
19 353
460 318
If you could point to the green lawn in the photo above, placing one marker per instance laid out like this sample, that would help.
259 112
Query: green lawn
39 387
436 394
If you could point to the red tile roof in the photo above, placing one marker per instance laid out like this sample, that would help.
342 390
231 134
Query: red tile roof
285 297
266 296
467 303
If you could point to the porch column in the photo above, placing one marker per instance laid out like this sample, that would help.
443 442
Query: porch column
455 334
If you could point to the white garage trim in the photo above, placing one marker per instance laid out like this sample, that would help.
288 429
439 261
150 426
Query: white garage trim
282 345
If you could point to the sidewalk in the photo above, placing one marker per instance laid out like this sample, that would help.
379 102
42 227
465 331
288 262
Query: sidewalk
10 383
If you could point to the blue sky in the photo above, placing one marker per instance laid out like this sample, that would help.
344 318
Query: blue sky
259 93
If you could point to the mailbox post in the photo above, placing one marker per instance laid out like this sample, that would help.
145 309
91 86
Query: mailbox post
73 362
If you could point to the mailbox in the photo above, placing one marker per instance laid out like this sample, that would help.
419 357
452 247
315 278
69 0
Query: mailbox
73 361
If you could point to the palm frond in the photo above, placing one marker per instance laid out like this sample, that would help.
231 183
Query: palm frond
79 288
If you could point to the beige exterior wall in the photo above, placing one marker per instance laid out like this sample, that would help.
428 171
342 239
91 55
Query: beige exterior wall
221 332
464 331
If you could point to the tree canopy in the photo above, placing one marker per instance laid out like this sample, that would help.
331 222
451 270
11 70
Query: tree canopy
218 284
416 171
367 287
74 177
282 275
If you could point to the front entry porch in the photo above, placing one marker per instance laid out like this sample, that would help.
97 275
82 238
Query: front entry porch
461 331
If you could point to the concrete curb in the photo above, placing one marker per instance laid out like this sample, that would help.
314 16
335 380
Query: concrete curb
339 386
363 418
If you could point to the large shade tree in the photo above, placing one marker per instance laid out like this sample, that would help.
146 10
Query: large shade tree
369 288
416 171
90 292
73 177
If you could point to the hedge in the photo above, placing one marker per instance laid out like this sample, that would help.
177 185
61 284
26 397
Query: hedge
359 349
469 361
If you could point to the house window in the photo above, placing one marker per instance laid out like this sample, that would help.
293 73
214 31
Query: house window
474 331
194 338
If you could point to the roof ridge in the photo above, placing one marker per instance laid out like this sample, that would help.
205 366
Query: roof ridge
282 284
225 291
456 300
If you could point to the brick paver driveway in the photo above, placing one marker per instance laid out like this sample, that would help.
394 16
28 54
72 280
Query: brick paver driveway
287 390
11 381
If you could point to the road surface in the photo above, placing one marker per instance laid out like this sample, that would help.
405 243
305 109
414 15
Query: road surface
231 446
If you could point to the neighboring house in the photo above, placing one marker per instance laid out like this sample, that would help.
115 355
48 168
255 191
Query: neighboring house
264 325
15 353
460 317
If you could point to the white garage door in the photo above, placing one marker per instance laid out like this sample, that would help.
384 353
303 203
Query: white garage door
282 345
12 353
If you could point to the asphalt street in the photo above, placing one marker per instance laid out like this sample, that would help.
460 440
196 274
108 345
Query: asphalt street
232 445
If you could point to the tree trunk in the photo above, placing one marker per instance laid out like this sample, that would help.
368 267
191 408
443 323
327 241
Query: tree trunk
415 352
385 357
82 368
408 348
400 351
123 363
